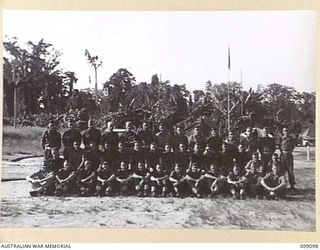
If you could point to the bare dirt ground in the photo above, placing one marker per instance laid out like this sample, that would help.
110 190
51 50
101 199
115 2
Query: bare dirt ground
18 209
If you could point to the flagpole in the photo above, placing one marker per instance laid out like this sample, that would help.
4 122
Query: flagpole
228 100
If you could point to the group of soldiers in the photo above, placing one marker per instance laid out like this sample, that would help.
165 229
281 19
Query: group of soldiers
142 163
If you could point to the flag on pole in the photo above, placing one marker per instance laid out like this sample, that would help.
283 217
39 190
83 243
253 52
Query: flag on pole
229 59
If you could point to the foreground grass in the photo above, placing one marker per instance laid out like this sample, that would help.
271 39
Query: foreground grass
21 141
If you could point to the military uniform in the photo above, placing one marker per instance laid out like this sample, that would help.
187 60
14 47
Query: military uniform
68 137
128 137
286 157
178 139
91 135
50 139
215 142
163 138
267 147
112 138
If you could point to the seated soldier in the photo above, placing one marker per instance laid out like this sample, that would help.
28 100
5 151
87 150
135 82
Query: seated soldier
177 180
86 178
214 180
43 180
274 183
167 158
105 180
141 178
254 176
237 183
123 179
158 181
66 180
254 161
152 157
193 177
274 160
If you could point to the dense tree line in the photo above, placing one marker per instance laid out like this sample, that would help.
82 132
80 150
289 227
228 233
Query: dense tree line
32 70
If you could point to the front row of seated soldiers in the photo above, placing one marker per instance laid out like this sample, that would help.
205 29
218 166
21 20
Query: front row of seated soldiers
61 177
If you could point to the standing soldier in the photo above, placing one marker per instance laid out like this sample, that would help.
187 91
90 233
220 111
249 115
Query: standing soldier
68 138
214 141
232 144
91 135
111 137
50 139
128 137
163 137
178 138
286 158
197 137
249 141
267 147
145 135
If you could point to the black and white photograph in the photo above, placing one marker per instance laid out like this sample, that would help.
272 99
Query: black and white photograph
159 119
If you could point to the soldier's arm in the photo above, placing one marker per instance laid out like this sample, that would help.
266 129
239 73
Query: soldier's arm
264 184
283 183
70 177
111 178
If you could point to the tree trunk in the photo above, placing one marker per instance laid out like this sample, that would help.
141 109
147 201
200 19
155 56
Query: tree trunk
15 106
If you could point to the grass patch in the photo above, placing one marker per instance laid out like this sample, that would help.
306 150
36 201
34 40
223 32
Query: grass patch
22 140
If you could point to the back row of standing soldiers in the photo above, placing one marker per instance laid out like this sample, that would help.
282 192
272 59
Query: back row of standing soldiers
168 149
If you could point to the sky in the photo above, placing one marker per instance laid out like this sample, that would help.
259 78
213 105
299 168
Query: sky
183 47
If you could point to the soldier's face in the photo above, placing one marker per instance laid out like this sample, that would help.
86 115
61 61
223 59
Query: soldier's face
144 126
181 147
240 148
160 127
254 158
178 130
76 145
51 126
196 148
285 131
159 168
120 146
177 168
152 147
248 131
213 168
90 124
265 131
275 169
93 145
236 170
196 131
194 168
106 146
137 146
140 166
167 148
54 153
213 133
123 166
